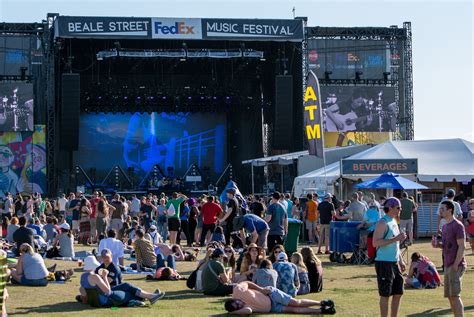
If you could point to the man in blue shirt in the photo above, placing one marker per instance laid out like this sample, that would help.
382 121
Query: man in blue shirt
277 220
254 225
290 205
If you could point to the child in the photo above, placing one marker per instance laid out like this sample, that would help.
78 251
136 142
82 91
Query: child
265 275
297 259
218 235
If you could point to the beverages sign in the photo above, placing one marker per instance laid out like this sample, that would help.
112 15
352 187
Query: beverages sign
379 166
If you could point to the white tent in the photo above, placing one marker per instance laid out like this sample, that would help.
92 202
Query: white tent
438 160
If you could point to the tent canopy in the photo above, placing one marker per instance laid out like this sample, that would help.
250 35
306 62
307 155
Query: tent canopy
438 160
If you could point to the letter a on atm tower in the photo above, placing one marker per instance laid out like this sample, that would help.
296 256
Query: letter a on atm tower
313 115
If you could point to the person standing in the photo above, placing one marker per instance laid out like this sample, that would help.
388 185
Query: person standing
209 211
256 207
470 222
356 209
74 208
406 216
277 220
162 222
94 201
135 206
457 209
61 204
389 264
9 206
116 220
453 239
173 208
146 213
326 213
184 228
232 210
311 216
254 225
289 209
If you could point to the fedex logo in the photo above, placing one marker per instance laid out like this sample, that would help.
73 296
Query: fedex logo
169 28
177 28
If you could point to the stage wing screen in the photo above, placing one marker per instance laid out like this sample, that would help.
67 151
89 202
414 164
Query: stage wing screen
343 58
140 141
16 107
359 108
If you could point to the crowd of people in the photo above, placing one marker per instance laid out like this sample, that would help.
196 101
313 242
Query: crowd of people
243 240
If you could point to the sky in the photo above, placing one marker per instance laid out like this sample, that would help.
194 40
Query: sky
442 40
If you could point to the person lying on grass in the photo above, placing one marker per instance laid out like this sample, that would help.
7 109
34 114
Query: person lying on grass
124 294
248 298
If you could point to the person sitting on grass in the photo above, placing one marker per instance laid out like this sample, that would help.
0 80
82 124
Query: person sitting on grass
215 281
115 275
218 235
64 243
251 262
315 269
30 269
297 259
144 251
124 294
288 280
277 249
422 273
265 275
248 298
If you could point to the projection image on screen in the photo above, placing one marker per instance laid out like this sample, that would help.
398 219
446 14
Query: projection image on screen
359 108
141 140
16 107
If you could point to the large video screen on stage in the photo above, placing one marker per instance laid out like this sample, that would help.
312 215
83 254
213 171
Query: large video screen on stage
344 57
359 108
16 107
174 141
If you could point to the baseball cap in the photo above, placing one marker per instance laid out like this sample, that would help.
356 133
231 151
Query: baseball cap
65 226
105 252
152 227
451 193
282 256
328 195
218 252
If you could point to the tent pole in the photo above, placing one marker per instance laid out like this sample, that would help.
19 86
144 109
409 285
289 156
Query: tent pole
282 187
253 184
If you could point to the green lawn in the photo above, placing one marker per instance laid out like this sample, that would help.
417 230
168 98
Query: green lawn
353 288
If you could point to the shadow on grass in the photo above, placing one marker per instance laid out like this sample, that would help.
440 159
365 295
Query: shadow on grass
369 276
51 308
183 294
434 312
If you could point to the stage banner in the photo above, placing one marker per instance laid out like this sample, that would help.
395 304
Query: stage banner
102 27
247 29
378 166
176 28
312 116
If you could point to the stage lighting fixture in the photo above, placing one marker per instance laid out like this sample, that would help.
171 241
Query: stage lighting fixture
358 74
189 97
125 97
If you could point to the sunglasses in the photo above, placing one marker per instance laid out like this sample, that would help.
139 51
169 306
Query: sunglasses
228 251
277 251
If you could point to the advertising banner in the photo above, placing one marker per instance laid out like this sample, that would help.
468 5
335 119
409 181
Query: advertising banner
378 166
176 28
247 29
312 116
102 27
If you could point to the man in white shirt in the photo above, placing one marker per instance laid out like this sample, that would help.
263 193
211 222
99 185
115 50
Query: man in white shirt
457 209
61 204
114 245
8 209
135 206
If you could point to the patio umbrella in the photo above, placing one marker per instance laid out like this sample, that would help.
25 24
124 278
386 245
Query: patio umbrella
390 181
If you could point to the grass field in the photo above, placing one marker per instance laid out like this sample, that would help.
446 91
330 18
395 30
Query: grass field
353 288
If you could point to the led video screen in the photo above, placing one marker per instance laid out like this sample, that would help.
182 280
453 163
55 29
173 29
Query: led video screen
359 108
174 141
16 107
343 58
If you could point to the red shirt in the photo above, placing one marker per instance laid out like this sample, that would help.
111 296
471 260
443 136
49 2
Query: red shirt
94 202
209 213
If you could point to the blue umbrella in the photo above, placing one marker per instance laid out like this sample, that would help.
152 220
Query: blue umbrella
390 180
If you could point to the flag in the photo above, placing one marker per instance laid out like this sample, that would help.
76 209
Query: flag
313 116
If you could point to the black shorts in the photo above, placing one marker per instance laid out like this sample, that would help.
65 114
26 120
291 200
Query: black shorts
389 278
174 224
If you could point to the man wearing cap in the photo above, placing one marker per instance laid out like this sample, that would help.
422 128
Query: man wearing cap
232 210
277 220
406 216
215 281
115 275
288 281
389 263
254 225
457 209
326 213
115 246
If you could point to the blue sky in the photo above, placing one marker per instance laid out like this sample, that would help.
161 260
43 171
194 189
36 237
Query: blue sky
442 40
